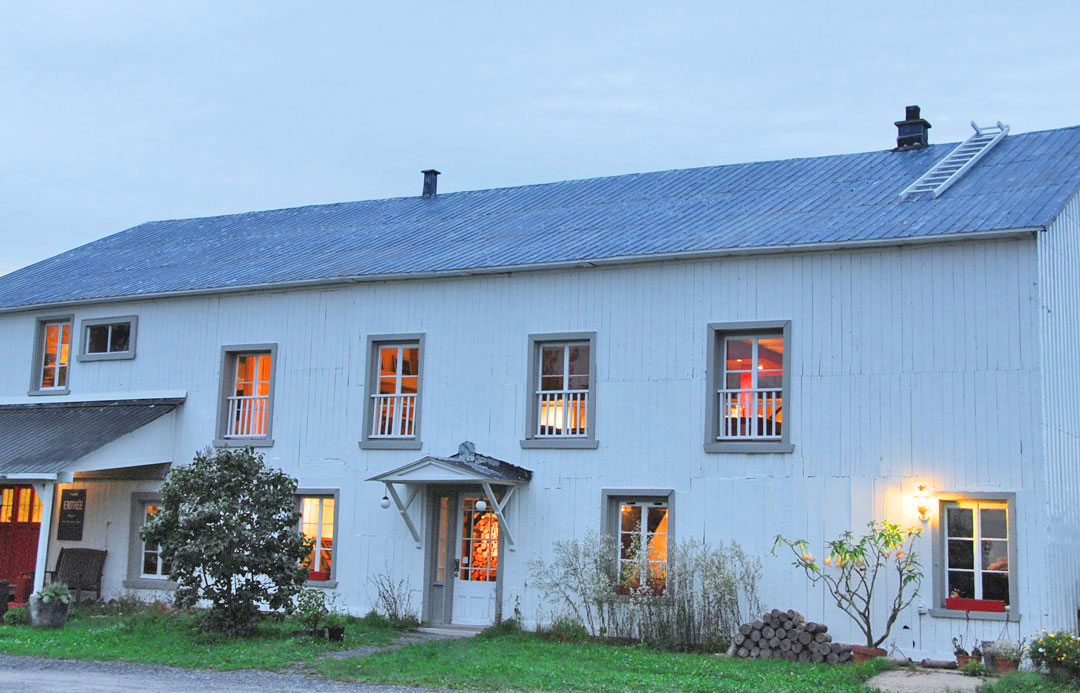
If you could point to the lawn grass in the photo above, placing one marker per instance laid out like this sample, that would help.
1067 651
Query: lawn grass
149 636
1027 682
525 661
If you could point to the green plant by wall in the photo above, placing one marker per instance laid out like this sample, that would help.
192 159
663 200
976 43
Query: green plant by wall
17 616
54 590
1060 650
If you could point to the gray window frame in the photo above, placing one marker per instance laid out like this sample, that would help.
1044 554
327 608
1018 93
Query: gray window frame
227 380
38 352
530 440
84 340
714 371
135 578
944 498
371 385
611 498
334 493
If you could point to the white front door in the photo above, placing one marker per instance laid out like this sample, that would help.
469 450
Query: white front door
477 564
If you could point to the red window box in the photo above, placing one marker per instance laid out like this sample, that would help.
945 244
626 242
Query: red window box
318 575
995 605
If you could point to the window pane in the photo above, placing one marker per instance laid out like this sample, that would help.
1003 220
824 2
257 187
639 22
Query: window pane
410 363
263 367
770 380
961 584
408 385
7 504
579 382
657 520
24 505
387 385
771 354
552 360
739 381
961 553
960 522
61 376
121 336
995 555
579 359
150 563
995 586
551 383
388 360
52 337
994 523
97 341
35 509
65 343
631 518
740 354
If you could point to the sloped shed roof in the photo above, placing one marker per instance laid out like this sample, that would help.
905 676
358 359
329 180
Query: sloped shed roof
1024 182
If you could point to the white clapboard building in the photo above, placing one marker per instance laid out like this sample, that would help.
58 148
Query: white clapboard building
724 353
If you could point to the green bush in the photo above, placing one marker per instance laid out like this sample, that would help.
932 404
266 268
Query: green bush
1058 650
311 607
508 626
565 630
17 616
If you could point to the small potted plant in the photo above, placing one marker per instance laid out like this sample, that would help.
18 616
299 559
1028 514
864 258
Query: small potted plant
962 655
335 626
49 608
1059 652
1004 655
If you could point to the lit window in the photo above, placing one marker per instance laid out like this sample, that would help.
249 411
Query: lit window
643 544
317 524
55 350
19 504
561 411
978 573
479 543
249 403
395 401
7 504
153 565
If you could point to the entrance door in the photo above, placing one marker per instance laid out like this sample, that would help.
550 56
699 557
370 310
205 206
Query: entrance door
443 554
20 522
478 564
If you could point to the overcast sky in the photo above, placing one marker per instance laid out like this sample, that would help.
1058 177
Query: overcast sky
115 113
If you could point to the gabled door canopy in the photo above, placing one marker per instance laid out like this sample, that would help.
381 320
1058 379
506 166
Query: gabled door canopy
465 468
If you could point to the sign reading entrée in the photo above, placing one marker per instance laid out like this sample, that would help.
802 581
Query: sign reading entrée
72 514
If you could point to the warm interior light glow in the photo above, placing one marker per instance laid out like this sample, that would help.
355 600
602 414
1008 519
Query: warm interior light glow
922 496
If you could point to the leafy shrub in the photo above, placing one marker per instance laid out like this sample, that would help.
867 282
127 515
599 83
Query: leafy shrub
17 616
1060 649
311 607
510 626
227 527
705 593
394 601
54 590
565 630
974 668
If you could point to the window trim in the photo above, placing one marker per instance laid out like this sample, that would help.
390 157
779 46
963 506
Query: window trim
227 380
944 498
714 370
84 339
530 439
301 494
371 380
135 578
36 364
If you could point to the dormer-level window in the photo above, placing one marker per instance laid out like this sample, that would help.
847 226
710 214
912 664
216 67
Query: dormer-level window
108 339
561 409
394 388
52 356
247 403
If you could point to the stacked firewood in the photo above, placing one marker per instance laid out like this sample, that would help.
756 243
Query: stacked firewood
787 635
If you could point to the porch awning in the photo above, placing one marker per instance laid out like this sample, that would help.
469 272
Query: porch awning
43 440
467 467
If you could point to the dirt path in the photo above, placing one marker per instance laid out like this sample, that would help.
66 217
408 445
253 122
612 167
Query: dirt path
924 681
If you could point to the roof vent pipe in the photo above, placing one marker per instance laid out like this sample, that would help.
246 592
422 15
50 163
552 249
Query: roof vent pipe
911 132
431 182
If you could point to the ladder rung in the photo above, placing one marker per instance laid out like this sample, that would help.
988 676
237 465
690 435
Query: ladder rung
956 162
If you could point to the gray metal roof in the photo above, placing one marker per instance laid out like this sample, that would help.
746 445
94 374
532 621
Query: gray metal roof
468 460
1024 182
49 437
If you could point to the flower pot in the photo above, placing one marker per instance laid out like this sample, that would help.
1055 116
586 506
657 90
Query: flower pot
51 614
335 634
962 660
865 654
1005 666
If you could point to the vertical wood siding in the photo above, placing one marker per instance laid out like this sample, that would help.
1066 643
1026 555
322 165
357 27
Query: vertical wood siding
909 365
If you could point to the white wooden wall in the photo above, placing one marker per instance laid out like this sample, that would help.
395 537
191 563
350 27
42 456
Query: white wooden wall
1059 316
913 365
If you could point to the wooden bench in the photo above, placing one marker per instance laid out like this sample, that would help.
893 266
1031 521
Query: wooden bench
80 570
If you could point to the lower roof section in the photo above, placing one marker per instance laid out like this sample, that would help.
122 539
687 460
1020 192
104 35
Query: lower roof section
49 437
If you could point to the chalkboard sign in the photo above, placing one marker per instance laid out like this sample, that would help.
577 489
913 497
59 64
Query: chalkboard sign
72 515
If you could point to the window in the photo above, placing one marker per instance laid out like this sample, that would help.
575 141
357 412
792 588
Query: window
7 504
19 504
479 543
643 544
108 339
247 404
153 565
749 371
317 518
393 402
561 409
977 555
52 356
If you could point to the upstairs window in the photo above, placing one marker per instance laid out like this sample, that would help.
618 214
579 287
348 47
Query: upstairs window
108 339
561 409
394 382
52 356
246 412
317 523
748 397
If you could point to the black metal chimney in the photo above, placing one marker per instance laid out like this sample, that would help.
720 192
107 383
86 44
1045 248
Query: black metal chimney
431 182
911 133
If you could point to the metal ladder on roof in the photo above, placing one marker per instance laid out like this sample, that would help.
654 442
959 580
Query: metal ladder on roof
949 170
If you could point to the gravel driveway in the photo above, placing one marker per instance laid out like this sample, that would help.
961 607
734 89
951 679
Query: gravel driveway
52 675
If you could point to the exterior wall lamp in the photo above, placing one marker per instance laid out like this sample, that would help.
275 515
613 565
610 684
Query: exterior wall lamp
385 502
922 497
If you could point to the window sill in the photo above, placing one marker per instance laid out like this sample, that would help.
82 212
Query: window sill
561 443
325 584
149 584
751 447
46 393
391 444
109 356
976 615
243 442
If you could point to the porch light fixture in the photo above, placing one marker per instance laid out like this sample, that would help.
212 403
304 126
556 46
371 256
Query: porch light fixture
385 502
481 505
922 497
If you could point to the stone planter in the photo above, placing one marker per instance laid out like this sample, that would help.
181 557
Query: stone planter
865 654
53 614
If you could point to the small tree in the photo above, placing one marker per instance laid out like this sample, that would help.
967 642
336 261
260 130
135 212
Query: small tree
228 530
851 570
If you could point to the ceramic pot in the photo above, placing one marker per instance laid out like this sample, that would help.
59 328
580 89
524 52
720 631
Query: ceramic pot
962 660
53 614
1005 666
865 654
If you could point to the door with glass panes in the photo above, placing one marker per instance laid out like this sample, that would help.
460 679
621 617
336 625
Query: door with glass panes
465 559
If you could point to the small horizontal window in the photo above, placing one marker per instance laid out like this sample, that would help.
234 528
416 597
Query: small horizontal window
108 339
